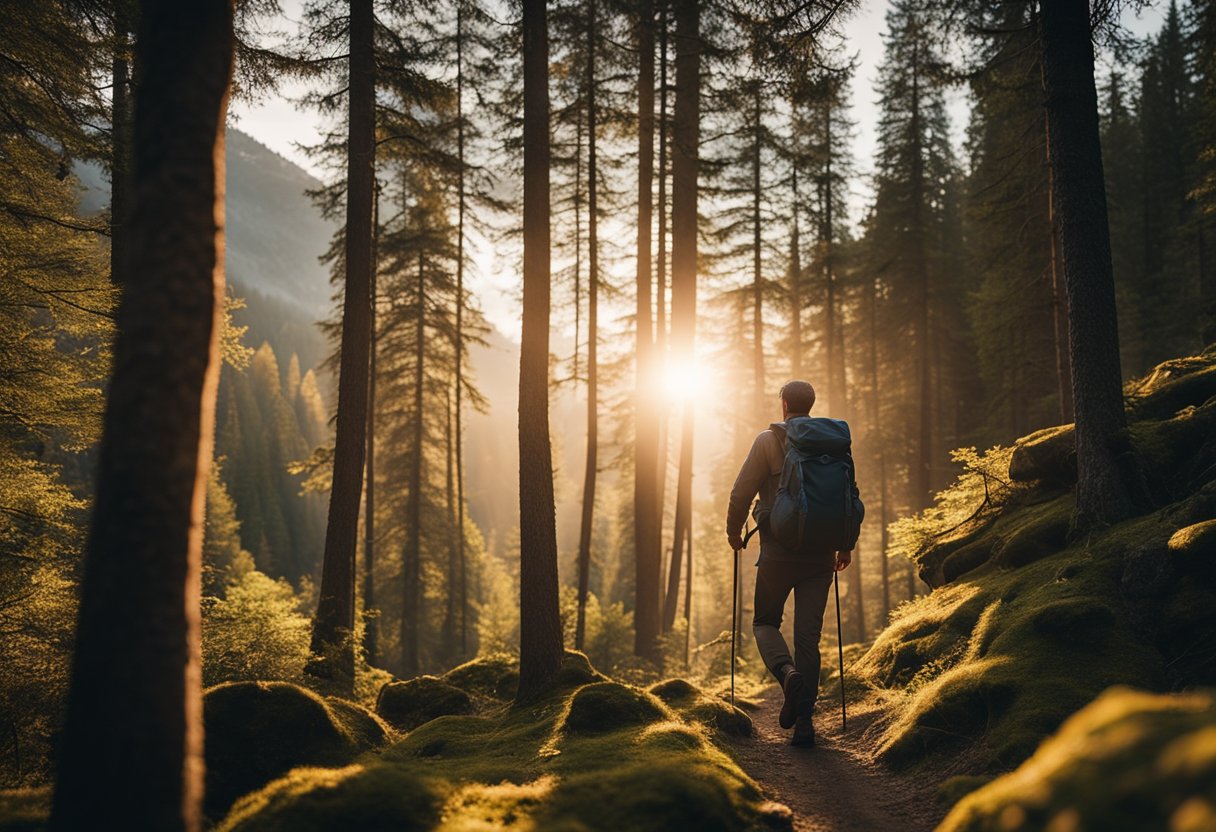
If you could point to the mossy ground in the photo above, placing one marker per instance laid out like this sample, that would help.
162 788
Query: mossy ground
1128 761
1032 621
591 754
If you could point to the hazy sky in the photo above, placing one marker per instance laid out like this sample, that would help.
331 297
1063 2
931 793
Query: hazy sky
282 124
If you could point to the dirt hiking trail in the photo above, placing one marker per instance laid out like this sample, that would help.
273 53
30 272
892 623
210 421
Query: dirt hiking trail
835 786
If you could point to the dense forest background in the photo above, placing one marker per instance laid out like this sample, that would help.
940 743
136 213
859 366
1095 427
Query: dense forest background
928 314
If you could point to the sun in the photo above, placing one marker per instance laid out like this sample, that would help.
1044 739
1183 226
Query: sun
683 380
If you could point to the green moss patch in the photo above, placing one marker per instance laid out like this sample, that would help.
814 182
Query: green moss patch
257 731
25 810
370 798
608 706
694 705
1128 761
1193 548
495 676
406 705
1049 456
599 755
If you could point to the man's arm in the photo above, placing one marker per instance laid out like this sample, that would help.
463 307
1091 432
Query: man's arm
752 474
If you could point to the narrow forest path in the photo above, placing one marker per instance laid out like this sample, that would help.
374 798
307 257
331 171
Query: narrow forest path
835 786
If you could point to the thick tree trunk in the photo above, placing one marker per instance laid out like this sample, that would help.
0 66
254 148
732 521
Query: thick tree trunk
131 755
334 623
587 520
540 629
371 647
1104 494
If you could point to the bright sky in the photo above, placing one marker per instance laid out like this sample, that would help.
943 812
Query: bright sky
283 125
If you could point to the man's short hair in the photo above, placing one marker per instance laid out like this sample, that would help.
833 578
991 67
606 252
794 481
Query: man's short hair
798 395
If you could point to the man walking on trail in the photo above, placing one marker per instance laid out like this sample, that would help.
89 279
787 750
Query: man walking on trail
809 516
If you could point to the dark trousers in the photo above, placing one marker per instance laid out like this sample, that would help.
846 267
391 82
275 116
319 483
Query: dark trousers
810 581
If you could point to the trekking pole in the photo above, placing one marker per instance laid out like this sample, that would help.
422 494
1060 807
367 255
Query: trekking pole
844 717
734 620
734 610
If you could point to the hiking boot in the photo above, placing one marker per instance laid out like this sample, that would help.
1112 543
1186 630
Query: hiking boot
804 733
791 687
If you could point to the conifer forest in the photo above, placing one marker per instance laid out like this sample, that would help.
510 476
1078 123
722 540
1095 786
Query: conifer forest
389 391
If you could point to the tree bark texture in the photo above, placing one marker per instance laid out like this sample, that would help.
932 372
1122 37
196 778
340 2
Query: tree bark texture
587 519
540 629
334 623
684 157
131 756
647 534
371 647
1079 192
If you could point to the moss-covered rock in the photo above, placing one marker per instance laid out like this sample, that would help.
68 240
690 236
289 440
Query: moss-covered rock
364 728
1048 456
694 705
1173 385
607 706
676 692
633 764
406 705
370 798
1128 761
494 676
1194 549
257 731
25 810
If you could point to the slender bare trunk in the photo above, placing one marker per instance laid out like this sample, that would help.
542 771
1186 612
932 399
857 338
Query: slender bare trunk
411 590
540 630
120 144
334 623
587 519
461 554
370 633
685 140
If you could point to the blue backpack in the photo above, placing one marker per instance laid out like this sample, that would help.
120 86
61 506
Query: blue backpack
817 508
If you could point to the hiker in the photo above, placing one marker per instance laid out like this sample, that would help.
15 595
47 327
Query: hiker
809 516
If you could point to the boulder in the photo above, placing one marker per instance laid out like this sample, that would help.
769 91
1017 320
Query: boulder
602 707
1193 548
258 731
406 705
1048 456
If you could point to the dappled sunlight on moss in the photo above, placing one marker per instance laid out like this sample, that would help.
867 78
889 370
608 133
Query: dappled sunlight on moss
25 810
478 806
371 797
599 755
1128 761
257 731
406 705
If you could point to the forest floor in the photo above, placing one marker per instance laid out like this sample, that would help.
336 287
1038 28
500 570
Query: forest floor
835 786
